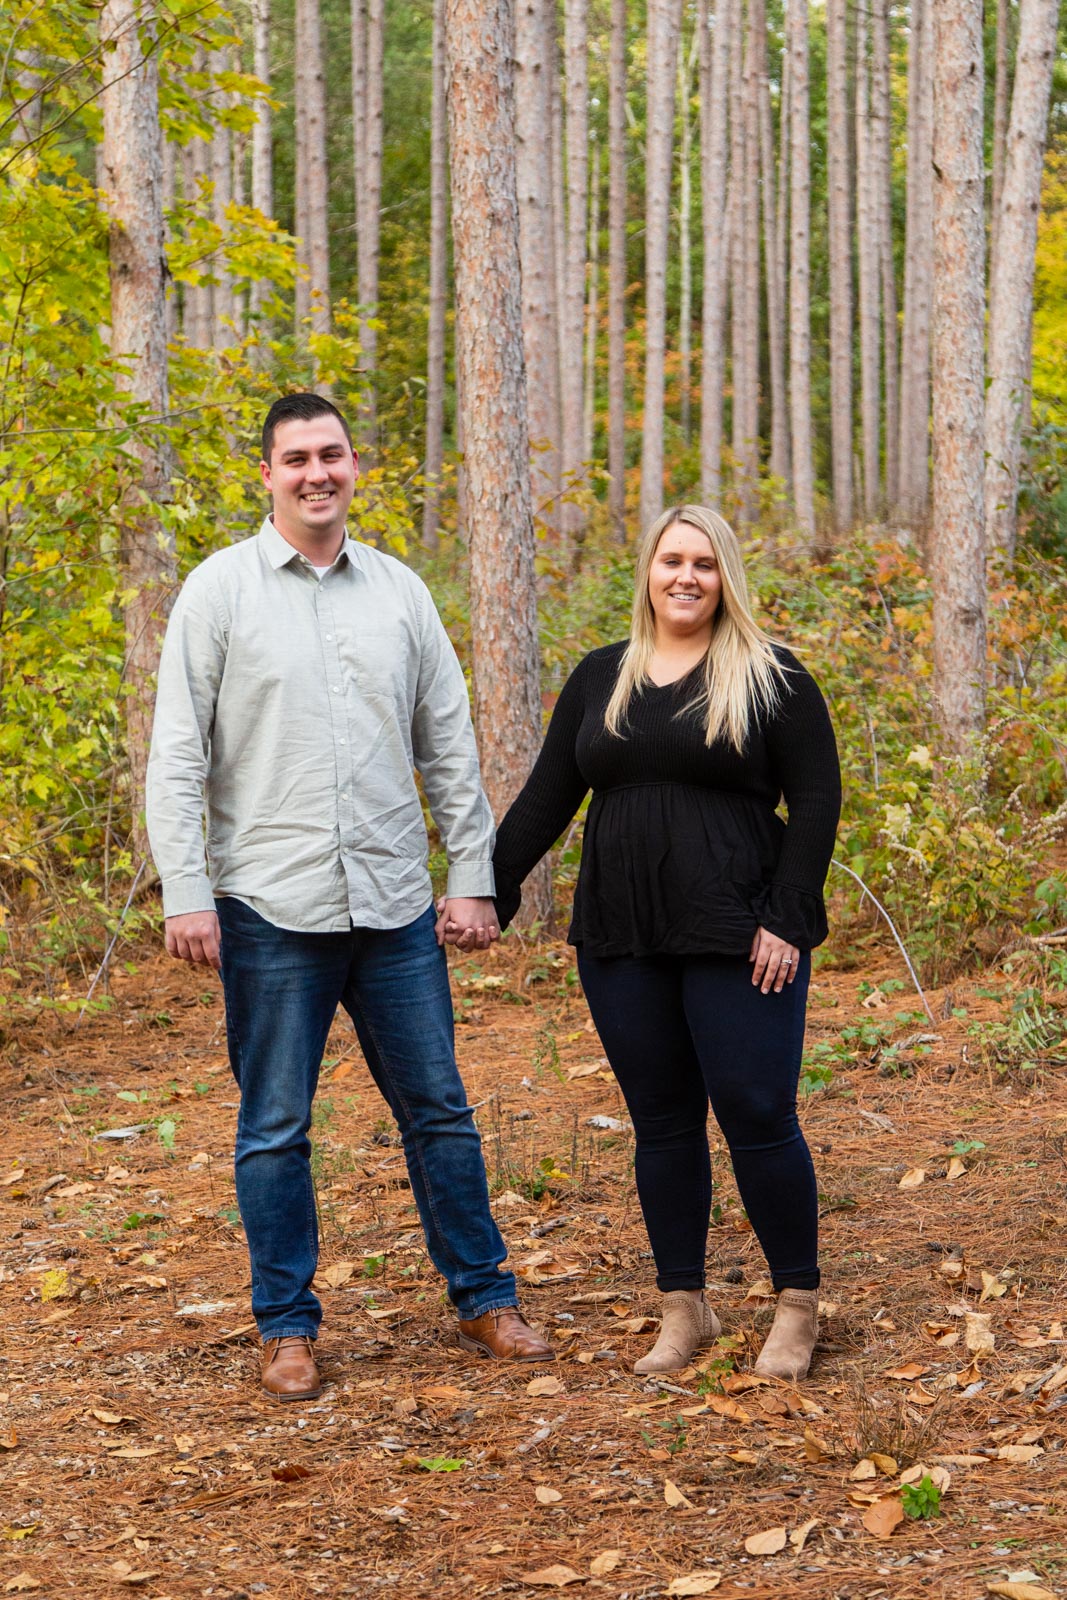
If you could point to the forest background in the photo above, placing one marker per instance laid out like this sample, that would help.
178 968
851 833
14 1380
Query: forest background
668 216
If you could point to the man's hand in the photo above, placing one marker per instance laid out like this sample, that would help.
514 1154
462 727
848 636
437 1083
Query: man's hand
195 937
468 924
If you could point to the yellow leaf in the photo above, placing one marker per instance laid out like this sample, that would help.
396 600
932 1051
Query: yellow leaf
547 1496
912 1178
695 1583
552 1577
604 1563
885 1515
799 1537
767 1543
992 1288
21 1533
339 1273
544 1386
55 1285
762 1289
674 1497
884 1464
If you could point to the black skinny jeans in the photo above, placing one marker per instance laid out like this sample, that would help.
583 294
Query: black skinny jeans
680 1031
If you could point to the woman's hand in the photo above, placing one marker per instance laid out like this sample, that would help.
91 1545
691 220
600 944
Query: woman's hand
775 961
469 924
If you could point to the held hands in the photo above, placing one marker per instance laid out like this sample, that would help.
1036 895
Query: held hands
195 937
775 961
468 924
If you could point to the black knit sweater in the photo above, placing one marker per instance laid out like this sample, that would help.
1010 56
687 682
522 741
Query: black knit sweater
684 852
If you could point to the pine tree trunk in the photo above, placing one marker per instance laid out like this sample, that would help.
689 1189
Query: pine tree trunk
714 100
592 310
576 53
617 271
772 227
480 45
169 156
957 565
262 152
435 353
133 176
1012 286
800 267
664 25
368 46
223 333
687 63
914 471
301 210
870 327
840 263
1000 127
533 118
881 137
735 233
747 380
197 297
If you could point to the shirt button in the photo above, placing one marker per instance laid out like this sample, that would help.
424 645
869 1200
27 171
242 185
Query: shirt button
329 637
335 688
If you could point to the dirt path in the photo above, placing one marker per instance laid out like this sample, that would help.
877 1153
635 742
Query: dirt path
137 1453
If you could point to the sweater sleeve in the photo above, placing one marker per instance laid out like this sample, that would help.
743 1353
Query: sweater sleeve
803 752
547 802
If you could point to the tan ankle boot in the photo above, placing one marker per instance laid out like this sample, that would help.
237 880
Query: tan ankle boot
787 1350
687 1324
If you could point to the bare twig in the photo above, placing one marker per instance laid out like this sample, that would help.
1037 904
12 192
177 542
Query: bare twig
102 968
892 928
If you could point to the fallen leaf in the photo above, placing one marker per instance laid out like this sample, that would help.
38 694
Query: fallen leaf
863 1470
339 1273
9 1439
13 1177
723 1406
21 1533
992 1288
956 1169
21 1581
290 1472
1021 1454
135 1453
884 1464
547 1496
604 1563
204 1308
767 1543
799 1537
552 1577
762 1289
1020 1591
110 1419
132 1579
885 1515
640 1324
912 1178
747 1458
674 1497
815 1449
978 1336
908 1373
55 1285
545 1386
395 1513
184 1443
695 1583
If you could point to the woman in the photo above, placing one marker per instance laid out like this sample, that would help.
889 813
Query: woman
696 909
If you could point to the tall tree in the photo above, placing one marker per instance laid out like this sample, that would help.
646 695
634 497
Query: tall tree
592 308
869 275
800 266
913 472
957 565
533 122
435 352
747 302
225 307
197 299
686 64
664 26
881 139
617 270
714 99
312 112
262 152
301 200
1011 291
773 224
133 173
576 66
1000 119
480 46
368 55
837 161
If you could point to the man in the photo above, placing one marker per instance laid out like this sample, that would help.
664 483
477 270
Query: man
303 680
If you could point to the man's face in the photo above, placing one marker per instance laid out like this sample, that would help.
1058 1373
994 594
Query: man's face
311 476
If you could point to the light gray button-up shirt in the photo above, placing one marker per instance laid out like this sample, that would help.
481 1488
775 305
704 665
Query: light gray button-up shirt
297 709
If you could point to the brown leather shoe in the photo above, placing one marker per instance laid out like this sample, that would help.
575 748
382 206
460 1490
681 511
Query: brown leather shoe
505 1335
288 1369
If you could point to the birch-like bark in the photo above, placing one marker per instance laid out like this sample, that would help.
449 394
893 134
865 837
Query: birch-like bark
480 45
664 26
576 66
301 218
881 140
772 227
262 141
169 156
557 147
223 333
714 101
435 344
533 119
132 164
1012 286
840 263
592 308
617 271
914 470
870 367
368 226
686 64
1000 127
197 323
746 381
958 551
735 231
800 267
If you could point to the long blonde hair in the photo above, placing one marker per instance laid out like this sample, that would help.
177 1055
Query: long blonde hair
742 674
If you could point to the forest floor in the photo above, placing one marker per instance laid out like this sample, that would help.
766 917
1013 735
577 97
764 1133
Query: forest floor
137 1452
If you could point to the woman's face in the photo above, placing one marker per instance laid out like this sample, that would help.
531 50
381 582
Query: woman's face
684 584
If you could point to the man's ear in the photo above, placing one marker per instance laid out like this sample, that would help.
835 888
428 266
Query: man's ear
355 458
264 472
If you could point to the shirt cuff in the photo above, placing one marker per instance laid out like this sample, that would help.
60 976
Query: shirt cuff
183 895
470 880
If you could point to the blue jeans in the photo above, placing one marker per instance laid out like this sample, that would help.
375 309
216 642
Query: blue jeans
282 990
680 1031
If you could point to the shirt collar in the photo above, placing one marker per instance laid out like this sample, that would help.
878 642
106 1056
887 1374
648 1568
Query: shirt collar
280 552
